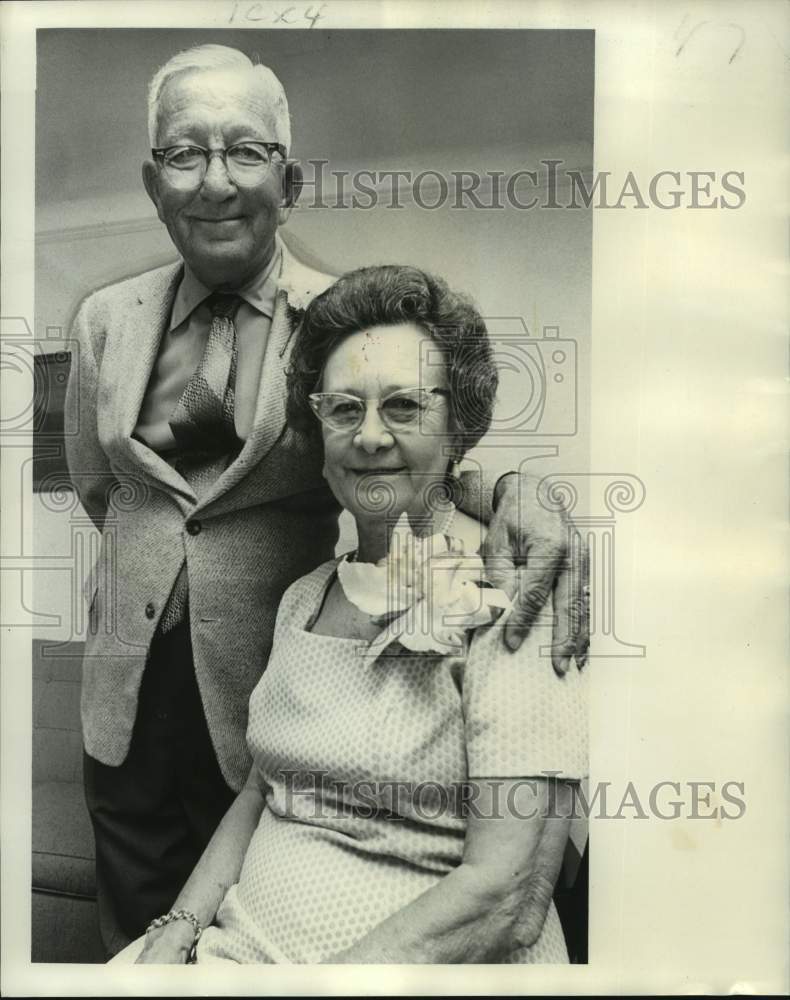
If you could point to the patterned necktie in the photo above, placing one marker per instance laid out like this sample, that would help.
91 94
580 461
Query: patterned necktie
203 417
203 426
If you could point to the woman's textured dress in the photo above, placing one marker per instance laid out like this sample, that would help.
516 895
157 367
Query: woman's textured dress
363 760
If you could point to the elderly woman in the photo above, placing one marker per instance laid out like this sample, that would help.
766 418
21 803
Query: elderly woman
398 808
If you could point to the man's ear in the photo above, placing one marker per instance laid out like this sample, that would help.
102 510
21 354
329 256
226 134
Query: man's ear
151 185
292 188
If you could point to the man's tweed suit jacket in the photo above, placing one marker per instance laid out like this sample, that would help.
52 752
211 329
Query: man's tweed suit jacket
267 520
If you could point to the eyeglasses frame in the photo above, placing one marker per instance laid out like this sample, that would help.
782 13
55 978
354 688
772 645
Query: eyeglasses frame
159 153
314 397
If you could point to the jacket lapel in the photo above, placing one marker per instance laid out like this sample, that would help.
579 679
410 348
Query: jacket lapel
135 354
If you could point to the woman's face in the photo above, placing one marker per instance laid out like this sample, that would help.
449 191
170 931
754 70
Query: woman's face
377 471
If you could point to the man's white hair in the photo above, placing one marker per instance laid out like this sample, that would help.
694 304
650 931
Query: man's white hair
220 57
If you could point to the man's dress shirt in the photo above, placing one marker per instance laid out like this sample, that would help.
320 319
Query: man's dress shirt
183 345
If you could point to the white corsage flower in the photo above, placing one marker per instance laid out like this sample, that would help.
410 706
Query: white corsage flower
425 592
302 292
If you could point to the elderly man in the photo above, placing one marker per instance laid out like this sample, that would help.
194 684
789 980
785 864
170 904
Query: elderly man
209 505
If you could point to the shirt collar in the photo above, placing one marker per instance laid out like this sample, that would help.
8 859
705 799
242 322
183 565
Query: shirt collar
260 293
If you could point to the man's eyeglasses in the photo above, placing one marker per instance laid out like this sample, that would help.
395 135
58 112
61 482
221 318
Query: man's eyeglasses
399 410
247 163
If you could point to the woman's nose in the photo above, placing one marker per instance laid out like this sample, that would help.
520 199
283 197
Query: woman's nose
373 434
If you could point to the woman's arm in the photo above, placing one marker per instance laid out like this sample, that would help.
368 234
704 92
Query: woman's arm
217 870
519 719
498 897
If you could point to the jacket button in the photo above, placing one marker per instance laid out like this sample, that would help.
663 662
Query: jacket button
194 527
150 610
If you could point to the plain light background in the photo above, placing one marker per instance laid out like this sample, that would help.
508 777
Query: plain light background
689 330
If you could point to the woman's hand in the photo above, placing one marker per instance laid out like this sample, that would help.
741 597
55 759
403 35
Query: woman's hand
496 901
168 945
217 870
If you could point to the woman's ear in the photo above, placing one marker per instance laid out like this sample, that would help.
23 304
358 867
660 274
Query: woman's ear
454 451
457 448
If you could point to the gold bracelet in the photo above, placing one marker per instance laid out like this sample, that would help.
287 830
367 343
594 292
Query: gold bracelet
187 915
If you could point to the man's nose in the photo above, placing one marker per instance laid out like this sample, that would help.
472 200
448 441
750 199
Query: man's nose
217 182
373 434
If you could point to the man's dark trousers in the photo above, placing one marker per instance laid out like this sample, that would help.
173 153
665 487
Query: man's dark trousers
154 815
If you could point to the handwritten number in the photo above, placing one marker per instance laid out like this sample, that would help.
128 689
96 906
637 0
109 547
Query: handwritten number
288 15
313 18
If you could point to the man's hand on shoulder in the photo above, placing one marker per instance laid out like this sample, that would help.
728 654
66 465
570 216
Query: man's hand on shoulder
532 551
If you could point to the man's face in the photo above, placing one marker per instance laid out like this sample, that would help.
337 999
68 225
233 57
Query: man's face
225 232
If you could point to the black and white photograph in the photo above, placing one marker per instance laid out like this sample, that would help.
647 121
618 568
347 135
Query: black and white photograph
210 480
360 500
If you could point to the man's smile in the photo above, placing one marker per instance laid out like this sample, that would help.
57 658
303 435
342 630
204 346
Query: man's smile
224 222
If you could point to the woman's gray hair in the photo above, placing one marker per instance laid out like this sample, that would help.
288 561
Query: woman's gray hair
219 57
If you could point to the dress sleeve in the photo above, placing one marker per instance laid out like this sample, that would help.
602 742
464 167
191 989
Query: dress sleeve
520 718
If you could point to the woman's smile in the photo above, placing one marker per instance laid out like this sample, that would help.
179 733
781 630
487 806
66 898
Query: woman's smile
379 471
